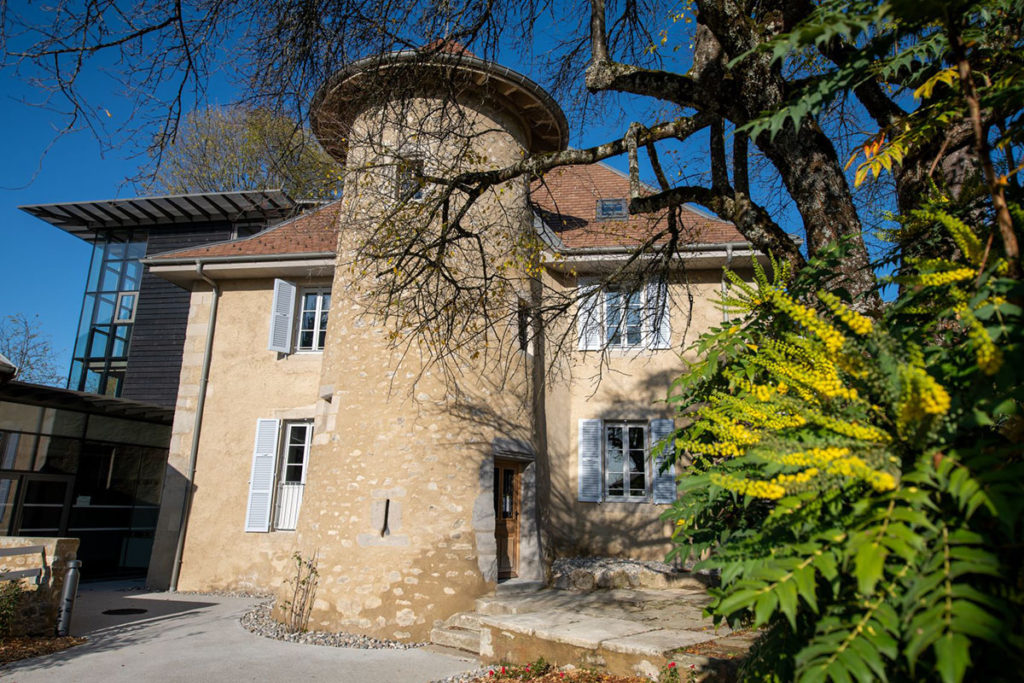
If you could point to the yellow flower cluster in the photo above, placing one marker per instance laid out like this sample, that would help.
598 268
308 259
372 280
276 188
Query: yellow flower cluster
851 429
748 487
990 358
754 415
787 480
943 278
812 456
726 449
921 397
808 319
853 467
858 323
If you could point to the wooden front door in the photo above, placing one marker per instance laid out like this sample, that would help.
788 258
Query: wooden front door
507 481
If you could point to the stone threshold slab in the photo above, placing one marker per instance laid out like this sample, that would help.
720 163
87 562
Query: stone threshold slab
590 632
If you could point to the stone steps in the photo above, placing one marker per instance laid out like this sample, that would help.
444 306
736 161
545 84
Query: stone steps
461 631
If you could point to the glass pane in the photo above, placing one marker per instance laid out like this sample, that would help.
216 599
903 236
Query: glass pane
95 268
308 320
8 494
320 342
105 308
117 249
126 306
615 485
293 473
614 453
507 491
98 346
110 278
297 434
132 275
636 438
634 320
613 318
75 378
137 248
306 340
92 382
637 484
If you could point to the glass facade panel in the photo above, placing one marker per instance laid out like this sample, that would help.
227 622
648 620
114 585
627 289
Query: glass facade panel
111 296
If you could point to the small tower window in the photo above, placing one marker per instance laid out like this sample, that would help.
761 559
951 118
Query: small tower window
612 209
409 179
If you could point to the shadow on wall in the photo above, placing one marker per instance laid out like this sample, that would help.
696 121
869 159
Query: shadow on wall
632 530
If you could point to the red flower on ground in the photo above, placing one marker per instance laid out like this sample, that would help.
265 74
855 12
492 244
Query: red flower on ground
671 665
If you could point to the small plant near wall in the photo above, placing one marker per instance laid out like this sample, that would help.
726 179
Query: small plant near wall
304 585
10 600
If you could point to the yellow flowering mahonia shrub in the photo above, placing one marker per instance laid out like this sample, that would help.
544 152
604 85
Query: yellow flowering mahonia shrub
842 469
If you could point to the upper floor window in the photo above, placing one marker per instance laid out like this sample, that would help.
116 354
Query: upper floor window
409 183
310 331
615 317
313 319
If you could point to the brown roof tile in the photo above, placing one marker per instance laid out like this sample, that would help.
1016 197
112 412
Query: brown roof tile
567 200
310 233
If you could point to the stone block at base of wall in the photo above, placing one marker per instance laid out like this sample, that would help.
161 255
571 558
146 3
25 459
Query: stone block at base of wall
40 603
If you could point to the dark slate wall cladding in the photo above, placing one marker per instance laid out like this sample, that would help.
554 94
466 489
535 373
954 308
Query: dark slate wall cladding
154 359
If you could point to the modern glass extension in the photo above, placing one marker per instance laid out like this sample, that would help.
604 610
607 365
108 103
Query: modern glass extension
108 312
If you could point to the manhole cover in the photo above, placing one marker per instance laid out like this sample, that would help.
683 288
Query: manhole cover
125 610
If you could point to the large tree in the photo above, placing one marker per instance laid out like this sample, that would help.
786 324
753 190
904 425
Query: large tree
241 148
29 350
619 53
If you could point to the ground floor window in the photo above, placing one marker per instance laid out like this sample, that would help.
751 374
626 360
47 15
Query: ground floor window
278 476
292 477
618 461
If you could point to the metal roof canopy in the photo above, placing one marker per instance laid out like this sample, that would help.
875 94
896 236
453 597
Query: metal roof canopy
82 218
96 404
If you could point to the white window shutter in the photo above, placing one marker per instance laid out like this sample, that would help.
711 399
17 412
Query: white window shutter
281 314
589 319
658 325
664 482
589 454
261 479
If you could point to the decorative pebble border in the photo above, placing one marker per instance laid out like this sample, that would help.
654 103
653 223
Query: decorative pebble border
258 621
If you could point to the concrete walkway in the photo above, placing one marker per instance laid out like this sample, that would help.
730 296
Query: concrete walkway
198 638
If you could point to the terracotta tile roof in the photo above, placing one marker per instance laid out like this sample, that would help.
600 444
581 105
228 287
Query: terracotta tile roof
452 47
310 233
566 199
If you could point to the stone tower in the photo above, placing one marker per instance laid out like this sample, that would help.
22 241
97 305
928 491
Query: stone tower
401 496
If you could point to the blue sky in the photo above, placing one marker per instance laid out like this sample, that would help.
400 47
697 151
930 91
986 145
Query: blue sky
45 268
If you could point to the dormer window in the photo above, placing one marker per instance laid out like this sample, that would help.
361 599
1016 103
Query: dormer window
612 209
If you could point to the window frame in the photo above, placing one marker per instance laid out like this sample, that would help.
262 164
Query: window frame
283 464
409 184
628 496
117 320
593 326
603 211
318 330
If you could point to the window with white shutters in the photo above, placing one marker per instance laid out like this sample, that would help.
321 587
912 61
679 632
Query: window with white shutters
278 475
615 463
261 477
282 313
307 332
616 317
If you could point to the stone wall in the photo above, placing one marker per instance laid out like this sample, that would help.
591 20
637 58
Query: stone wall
40 603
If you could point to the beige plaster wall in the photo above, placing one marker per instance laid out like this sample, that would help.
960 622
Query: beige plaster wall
618 385
247 382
